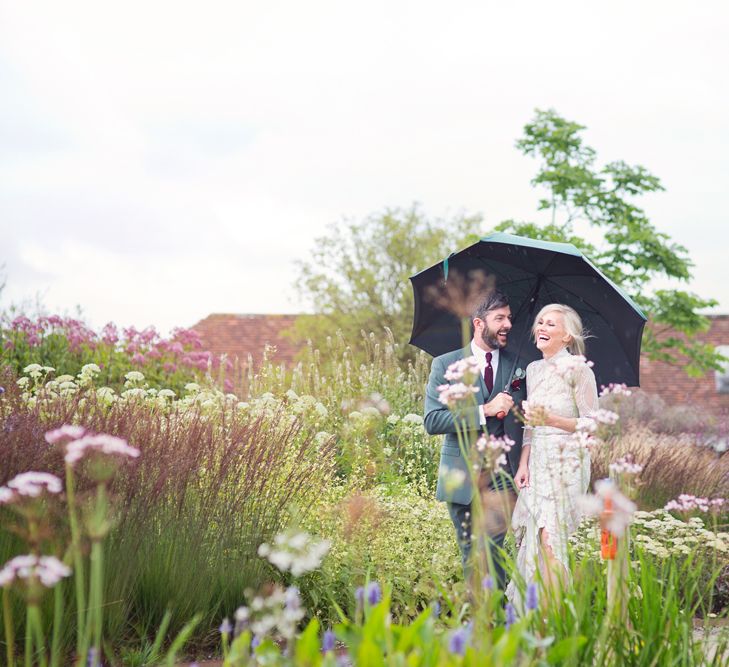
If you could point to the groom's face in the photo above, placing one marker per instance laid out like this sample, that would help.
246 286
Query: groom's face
493 330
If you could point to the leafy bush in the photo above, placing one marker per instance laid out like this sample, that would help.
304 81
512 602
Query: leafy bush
388 533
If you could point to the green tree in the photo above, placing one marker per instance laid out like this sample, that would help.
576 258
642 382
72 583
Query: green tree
632 251
357 277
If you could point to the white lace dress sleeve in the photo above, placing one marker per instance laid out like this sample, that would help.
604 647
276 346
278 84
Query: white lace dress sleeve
559 467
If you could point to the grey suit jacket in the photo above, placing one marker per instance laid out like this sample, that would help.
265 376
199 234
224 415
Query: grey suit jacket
440 420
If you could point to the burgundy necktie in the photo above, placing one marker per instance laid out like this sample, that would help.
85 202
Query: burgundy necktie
488 374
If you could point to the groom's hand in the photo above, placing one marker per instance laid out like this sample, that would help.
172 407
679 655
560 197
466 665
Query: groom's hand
502 402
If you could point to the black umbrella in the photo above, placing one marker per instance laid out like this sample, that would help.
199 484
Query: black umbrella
533 274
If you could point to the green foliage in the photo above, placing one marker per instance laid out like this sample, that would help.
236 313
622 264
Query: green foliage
216 476
576 627
357 277
633 252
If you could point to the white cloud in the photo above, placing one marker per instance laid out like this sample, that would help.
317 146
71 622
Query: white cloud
150 142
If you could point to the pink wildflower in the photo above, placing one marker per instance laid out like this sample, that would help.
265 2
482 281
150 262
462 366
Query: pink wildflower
102 443
452 394
467 366
688 503
615 390
67 431
626 466
46 569
34 483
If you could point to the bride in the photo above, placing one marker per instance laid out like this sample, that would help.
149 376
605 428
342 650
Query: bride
554 469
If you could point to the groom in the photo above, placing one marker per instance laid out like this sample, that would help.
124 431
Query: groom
491 325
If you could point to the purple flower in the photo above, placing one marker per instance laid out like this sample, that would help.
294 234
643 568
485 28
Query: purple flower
510 615
225 627
2 390
436 609
488 583
327 643
374 593
458 641
92 658
255 642
359 595
293 601
532 597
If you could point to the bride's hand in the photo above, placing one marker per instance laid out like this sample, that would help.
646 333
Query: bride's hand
522 477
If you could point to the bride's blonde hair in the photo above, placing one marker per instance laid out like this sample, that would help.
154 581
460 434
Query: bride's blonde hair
572 324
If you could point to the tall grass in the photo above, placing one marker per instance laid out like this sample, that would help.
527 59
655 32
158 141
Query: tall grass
672 464
208 488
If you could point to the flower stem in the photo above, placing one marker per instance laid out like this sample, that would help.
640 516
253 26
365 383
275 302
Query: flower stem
28 640
36 624
96 596
57 625
9 628
78 563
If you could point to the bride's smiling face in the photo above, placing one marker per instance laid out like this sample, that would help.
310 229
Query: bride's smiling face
550 333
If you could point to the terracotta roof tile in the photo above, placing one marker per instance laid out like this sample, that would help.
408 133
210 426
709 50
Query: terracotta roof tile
241 335
673 385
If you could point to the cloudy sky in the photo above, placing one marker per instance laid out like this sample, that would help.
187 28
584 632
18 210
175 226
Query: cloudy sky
163 160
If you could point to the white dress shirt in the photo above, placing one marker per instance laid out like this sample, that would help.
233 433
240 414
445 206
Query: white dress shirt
480 355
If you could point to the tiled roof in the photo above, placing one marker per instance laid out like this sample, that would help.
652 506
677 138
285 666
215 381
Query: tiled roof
674 386
241 335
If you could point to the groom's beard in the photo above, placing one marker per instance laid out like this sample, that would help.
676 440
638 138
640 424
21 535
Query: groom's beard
488 336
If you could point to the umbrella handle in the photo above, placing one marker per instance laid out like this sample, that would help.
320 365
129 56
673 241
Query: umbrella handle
501 414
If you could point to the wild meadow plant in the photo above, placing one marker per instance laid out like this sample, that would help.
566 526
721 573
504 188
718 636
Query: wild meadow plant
218 476
66 344
671 465
213 482
574 628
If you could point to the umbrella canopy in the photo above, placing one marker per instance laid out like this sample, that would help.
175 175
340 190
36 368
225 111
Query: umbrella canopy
533 274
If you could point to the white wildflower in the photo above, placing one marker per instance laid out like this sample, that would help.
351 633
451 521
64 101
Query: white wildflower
320 409
602 416
615 390
411 418
134 376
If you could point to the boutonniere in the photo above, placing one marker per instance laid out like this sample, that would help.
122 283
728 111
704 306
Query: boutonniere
516 379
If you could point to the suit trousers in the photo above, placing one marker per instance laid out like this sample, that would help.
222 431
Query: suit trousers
497 496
